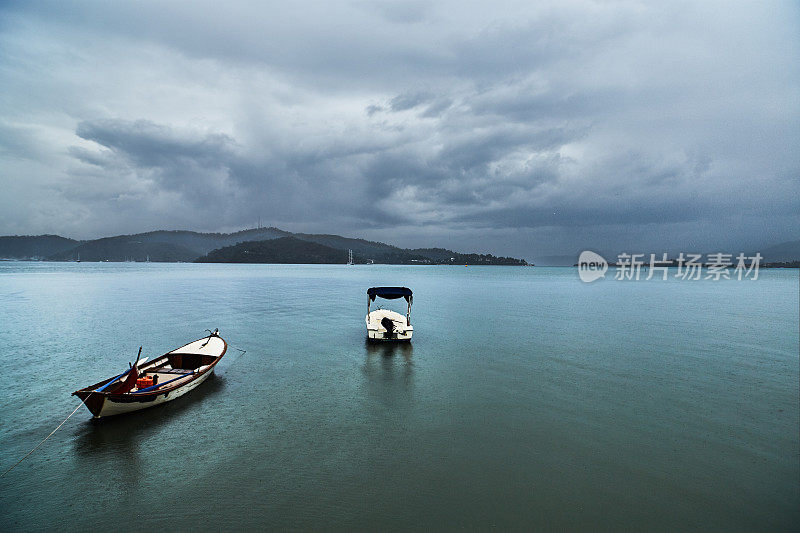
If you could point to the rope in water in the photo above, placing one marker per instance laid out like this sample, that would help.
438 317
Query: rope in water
241 353
47 437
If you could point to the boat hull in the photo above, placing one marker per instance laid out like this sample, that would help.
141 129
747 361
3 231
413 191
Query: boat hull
376 332
112 405
380 337
180 371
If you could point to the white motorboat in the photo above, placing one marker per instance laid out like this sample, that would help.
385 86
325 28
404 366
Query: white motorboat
385 325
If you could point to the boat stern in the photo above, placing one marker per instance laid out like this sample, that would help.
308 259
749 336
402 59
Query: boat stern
384 336
387 326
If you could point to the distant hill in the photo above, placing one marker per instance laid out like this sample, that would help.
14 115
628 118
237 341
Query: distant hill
359 246
34 247
442 256
202 243
305 250
281 250
187 245
159 245
302 249
126 249
379 252
172 246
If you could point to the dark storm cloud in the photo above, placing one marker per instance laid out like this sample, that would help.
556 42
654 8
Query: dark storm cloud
431 120
197 166
148 144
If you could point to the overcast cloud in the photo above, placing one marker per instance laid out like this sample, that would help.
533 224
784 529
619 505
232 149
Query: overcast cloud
518 128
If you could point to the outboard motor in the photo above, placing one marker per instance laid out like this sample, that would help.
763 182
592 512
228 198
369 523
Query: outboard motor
388 324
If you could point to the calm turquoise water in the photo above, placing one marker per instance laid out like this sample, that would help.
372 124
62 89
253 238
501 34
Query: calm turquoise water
527 399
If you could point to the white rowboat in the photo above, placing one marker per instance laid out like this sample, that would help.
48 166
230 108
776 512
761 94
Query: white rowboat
172 375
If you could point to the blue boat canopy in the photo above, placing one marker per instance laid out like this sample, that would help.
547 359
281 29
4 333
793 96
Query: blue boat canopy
390 293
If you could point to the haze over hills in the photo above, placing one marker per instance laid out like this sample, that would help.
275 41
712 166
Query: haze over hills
34 247
117 249
159 246
785 251
184 246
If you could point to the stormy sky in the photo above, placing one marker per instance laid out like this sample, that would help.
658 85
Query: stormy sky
516 128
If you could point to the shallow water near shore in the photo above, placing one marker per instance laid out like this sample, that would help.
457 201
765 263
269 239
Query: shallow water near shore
526 399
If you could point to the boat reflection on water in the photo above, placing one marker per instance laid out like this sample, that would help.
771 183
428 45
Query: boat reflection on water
121 436
389 372
390 349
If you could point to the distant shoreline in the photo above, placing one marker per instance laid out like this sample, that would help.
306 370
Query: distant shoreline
48 261
258 245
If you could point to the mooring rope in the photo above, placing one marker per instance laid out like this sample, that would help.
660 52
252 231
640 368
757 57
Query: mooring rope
47 437
241 353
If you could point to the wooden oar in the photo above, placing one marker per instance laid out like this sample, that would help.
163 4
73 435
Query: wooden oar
101 389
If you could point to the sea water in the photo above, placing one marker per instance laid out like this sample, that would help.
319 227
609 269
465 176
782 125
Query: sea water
527 399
